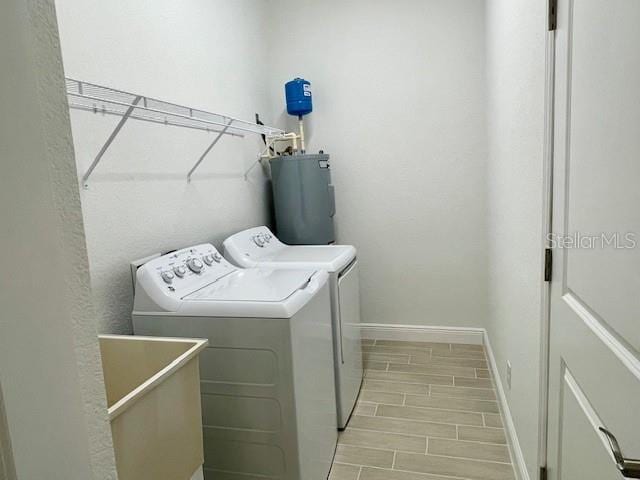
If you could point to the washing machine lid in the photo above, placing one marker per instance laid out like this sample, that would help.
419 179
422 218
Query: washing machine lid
259 247
198 281
253 285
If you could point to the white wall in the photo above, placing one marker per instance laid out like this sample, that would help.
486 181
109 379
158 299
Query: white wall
399 104
515 117
50 371
208 54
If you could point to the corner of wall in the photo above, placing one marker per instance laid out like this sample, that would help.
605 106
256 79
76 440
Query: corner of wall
66 198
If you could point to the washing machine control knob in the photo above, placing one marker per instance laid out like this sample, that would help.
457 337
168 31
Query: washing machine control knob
180 271
208 259
217 257
258 240
195 265
167 277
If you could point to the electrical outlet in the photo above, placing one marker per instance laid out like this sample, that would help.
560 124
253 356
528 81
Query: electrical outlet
508 374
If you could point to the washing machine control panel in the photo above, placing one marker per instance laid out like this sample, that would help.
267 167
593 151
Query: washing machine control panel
184 271
255 242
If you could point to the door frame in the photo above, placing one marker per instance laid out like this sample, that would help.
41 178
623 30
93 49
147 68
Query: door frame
547 230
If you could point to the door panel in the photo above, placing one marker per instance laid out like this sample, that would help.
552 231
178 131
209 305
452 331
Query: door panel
604 165
583 355
595 291
581 439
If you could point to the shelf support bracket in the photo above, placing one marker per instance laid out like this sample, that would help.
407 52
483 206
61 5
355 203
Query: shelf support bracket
112 137
209 148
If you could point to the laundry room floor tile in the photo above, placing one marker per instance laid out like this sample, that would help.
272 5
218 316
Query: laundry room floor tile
340 471
426 411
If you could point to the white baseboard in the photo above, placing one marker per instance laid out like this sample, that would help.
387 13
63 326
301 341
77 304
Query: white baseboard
421 333
517 457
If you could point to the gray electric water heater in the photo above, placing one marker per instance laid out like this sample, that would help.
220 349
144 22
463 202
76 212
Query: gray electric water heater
303 198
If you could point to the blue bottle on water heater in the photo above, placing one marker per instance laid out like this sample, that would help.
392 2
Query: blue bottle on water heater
299 99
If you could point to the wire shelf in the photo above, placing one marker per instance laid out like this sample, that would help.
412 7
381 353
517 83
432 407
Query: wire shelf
100 99
109 101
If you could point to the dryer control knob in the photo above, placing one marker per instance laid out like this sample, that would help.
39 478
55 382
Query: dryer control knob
195 265
167 277
208 259
217 257
180 271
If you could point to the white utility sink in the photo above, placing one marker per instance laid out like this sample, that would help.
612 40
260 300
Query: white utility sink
153 396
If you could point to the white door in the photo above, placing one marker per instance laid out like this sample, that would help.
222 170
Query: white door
595 288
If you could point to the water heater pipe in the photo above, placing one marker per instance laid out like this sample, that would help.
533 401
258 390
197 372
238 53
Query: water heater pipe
271 141
301 123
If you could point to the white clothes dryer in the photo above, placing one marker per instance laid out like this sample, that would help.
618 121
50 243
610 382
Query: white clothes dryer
258 247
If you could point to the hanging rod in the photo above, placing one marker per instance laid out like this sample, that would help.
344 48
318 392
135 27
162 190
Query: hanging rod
100 99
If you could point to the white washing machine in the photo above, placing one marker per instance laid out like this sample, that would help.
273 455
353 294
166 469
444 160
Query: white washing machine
267 381
258 247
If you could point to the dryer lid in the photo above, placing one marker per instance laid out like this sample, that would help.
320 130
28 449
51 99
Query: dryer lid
328 257
260 247
254 285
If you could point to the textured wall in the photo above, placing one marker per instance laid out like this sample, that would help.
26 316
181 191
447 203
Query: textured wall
399 103
49 358
209 54
515 114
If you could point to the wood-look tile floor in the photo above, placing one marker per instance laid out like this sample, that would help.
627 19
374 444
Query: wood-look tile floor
426 411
